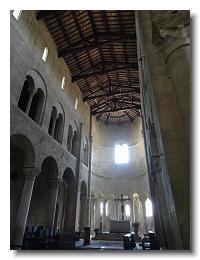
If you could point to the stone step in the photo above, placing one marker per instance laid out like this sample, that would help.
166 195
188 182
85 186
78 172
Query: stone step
109 236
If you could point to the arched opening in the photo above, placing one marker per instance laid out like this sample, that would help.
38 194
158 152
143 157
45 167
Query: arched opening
44 196
21 155
69 138
23 100
107 208
83 205
61 200
27 90
127 211
74 150
45 54
52 121
68 206
58 128
85 152
37 104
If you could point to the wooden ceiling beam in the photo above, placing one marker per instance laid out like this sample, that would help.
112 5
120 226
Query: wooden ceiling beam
133 66
91 46
43 14
114 110
109 94
127 114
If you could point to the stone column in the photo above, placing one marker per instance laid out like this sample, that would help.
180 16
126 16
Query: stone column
53 126
88 218
132 213
78 179
136 205
104 216
144 215
176 49
30 174
116 210
97 213
53 187
32 92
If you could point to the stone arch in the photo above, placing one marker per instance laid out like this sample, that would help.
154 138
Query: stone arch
44 195
28 87
69 138
85 151
52 120
66 202
83 205
32 98
37 104
57 121
21 155
74 149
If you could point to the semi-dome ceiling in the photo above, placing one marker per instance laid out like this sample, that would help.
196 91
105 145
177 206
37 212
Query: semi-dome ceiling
99 47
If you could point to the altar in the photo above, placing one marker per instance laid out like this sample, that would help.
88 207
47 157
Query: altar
120 226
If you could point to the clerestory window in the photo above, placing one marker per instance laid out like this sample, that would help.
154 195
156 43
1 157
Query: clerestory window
121 153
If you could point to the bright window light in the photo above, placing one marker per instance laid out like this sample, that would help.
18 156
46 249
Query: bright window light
45 54
121 153
17 14
76 104
148 206
106 208
127 210
101 208
63 83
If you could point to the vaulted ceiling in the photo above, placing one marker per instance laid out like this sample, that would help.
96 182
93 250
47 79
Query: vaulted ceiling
99 47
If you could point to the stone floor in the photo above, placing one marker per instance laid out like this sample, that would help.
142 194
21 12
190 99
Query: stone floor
102 245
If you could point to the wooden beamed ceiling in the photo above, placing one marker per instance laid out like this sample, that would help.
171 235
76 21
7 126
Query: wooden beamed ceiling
99 48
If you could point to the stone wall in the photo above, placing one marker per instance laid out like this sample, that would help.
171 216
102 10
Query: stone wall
163 82
28 40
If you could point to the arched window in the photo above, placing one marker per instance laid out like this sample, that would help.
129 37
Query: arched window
24 97
17 14
101 208
127 210
52 121
107 209
74 150
85 153
121 154
69 138
59 128
36 107
148 207
63 83
45 54
76 104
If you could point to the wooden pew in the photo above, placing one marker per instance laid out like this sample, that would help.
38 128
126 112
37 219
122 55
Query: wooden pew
129 242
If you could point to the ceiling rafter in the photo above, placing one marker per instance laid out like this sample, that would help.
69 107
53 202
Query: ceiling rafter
99 48
103 71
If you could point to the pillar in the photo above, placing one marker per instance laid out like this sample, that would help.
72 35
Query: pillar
117 210
176 50
143 199
78 179
97 213
53 187
32 92
30 174
88 217
104 216
132 213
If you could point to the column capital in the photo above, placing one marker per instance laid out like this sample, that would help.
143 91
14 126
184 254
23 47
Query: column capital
31 172
32 90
